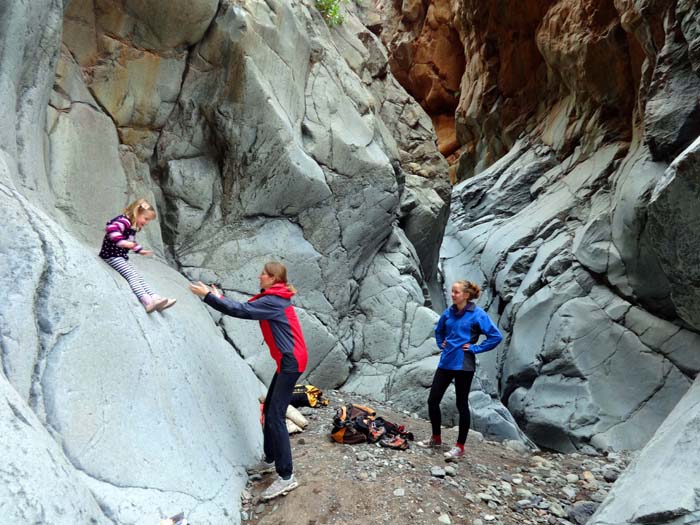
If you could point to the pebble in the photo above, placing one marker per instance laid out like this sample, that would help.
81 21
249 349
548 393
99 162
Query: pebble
581 511
362 456
523 493
571 478
437 472
557 510
399 492
444 518
610 475
569 491
588 476
598 496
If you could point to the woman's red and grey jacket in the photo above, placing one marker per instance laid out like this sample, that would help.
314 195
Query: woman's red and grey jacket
278 322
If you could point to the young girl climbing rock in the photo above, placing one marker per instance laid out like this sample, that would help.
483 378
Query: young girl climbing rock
120 237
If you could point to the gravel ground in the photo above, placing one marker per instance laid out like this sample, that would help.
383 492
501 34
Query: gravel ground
492 484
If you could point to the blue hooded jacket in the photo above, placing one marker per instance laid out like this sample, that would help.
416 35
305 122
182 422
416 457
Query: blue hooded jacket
455 328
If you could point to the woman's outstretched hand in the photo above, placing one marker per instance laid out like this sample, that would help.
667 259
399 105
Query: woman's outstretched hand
201 289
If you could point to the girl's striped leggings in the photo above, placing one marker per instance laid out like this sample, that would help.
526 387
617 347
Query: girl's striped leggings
138 285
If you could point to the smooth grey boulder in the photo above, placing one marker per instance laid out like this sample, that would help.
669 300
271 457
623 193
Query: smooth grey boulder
137 406
673 221
661 485
492 419
257 133
38 484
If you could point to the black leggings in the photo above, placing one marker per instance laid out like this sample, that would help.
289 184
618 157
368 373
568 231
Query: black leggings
275 435
463 383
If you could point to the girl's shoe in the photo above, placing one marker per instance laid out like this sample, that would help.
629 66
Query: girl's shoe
153 304
168 304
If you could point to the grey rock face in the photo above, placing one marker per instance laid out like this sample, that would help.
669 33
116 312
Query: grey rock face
258 133
564 366
140 410
660 486
672 119
673 218
31 459
691 31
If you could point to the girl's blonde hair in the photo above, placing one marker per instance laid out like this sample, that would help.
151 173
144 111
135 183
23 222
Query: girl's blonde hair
136 208
469 287
279 272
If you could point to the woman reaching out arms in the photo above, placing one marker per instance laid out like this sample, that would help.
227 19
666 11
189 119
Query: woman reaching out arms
282 333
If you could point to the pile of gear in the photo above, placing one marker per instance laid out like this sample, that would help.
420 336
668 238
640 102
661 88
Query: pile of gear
354 424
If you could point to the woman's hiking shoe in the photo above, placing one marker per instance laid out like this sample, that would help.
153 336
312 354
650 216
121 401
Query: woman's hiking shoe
430 443
454 454
262 468
280 487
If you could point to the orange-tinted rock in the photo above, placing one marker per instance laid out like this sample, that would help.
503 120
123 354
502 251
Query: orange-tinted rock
412 10
426 57
583 42
574 72
446 135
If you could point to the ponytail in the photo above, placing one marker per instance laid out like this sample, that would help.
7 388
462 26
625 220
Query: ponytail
279 272
473 289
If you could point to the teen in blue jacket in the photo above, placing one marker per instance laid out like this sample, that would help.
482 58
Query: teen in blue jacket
457 334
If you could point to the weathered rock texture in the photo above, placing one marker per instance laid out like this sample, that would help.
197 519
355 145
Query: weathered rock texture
578 125
573 216
661 486
258 133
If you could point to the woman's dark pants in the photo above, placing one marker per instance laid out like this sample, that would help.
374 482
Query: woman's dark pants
463 383
276 442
